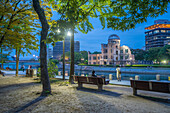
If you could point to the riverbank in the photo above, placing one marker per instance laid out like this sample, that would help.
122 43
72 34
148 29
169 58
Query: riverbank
21 94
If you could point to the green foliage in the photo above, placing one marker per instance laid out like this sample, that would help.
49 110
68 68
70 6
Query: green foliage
3 56
119 14
84 57
17 23
54 61
139 54
156 54
79 57
39 72
147 65
164 54
52 69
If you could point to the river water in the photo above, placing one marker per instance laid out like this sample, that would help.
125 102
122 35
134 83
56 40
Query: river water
126 72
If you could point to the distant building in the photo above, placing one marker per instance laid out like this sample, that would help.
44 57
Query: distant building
158 35
112 53
58 48
50 53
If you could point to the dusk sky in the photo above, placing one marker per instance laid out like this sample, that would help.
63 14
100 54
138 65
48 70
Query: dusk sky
134 38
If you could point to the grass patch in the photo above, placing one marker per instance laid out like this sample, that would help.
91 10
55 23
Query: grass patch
146 65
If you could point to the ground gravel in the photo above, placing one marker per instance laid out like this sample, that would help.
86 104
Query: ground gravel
22 94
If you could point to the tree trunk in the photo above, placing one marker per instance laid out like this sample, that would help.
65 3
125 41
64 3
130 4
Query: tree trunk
43 49
64 59
72 57
2 62
17 62
17 59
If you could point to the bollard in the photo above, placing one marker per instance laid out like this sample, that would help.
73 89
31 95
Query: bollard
158 77
136 77
59 73
110 76
82 74
66 73
131 78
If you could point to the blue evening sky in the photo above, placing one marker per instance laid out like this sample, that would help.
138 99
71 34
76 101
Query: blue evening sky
134 38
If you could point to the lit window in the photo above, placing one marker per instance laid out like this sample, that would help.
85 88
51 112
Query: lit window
156 31
150 32
163 31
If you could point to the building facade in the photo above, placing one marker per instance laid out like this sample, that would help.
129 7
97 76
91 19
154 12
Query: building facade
158 35
58 48
112 53
49 53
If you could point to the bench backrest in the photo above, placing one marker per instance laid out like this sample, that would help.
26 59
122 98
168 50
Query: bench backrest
90 80
151 85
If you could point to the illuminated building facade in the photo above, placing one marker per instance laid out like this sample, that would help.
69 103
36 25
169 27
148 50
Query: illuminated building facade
158 35
112 53
58 48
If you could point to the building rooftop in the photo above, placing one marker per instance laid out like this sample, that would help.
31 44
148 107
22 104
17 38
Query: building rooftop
160 23
114 36
157 26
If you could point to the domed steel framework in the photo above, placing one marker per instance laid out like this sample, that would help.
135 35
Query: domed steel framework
114 36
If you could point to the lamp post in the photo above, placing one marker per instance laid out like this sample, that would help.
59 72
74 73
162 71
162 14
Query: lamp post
64 59
68 34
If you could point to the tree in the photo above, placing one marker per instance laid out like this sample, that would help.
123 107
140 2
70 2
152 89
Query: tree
139 54
18 27
14 14
84 56
43 49
3 56
163 53
153 54
120 15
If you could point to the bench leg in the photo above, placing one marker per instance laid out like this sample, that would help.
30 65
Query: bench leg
100 87
80 85
134 91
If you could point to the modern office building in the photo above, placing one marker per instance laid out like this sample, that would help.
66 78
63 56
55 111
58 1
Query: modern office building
158 35
112 53
58 48
50 53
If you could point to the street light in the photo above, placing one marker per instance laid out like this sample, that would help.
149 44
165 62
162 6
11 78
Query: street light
68 34
58 31
164 61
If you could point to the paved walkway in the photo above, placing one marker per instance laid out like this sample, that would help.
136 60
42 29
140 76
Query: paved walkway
13 72
123 82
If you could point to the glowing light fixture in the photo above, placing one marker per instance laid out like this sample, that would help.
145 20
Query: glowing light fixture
69 33
58 31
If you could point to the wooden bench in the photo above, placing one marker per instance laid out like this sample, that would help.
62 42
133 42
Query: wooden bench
157 86
90 80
